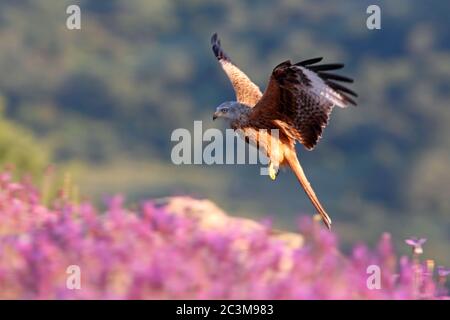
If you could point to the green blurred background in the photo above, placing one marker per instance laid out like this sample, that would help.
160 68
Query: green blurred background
101 103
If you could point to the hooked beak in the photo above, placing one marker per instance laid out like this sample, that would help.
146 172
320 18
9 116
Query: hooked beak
215 116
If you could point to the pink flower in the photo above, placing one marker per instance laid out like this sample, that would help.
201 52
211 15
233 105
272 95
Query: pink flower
153 253
443 272
416 244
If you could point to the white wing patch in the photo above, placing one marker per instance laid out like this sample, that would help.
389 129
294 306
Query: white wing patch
321 89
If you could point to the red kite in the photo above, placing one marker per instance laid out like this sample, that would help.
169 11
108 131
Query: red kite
297 102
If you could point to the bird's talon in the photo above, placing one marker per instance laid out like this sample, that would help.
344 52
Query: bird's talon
272 172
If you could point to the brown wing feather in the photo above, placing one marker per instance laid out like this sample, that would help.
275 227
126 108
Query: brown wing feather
303 98
246 91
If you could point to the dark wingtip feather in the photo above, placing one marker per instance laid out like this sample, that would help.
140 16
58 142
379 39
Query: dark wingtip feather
340 88
326 67
336 77
349 100
217 49
308 62
214 38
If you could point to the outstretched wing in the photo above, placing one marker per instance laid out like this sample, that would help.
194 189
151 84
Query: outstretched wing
246 91
303 95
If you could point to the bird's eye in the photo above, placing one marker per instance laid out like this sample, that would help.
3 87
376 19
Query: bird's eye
224 110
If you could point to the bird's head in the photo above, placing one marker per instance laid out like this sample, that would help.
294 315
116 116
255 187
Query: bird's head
230 110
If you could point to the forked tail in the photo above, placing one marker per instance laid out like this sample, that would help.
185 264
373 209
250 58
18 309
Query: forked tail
298 170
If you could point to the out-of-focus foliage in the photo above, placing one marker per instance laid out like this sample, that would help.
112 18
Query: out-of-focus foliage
110 95
192 251
19 149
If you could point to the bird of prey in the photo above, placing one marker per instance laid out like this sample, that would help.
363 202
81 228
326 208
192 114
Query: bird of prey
297 102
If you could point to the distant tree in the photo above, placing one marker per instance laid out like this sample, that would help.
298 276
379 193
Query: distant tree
19 149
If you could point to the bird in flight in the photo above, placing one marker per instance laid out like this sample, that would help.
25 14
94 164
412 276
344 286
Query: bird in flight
297 103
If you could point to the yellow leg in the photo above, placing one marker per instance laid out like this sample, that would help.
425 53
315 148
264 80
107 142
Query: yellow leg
273 172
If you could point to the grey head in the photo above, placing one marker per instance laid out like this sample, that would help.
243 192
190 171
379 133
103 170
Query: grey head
231 110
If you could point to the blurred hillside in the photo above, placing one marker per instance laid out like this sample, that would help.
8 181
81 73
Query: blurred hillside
19 151
105 99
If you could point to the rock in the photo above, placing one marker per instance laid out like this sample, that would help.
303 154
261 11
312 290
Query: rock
209 217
